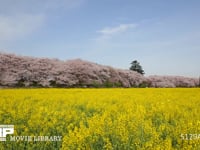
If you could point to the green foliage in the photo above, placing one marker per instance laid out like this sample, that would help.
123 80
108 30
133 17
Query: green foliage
135 66
106 84
52 83
35 84
144 84
20 83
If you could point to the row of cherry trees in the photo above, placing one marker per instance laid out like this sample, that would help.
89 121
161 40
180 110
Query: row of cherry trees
19 71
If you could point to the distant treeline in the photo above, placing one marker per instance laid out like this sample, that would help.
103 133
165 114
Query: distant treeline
21 71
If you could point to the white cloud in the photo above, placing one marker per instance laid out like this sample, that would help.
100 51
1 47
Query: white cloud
12 27
20 18
109 32
118 29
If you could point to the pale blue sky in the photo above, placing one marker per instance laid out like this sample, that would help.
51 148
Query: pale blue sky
163 35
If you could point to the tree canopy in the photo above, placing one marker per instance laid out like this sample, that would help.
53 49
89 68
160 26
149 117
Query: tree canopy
135 66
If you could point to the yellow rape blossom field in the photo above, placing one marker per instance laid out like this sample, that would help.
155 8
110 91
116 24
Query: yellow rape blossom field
102 119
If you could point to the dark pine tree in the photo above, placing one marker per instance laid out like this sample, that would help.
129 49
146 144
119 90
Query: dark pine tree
135 66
